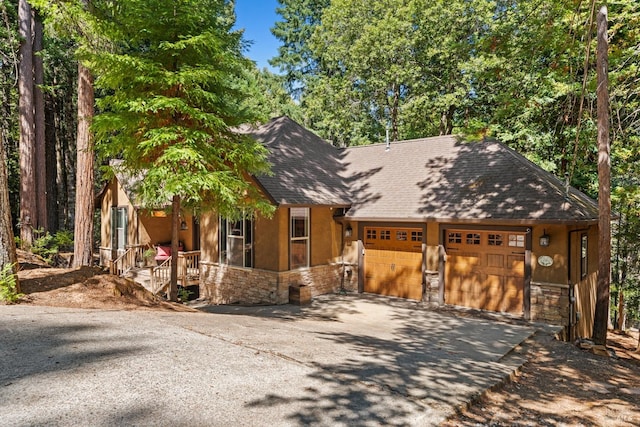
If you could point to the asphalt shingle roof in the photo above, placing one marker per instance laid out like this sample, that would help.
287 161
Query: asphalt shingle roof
306 169
447 179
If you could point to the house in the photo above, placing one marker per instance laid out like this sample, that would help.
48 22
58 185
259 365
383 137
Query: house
439 220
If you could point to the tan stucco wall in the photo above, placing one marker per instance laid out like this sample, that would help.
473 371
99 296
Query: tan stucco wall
267 242
209 237
557 250
433 248
325 236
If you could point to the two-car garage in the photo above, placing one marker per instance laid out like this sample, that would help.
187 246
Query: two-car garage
483 269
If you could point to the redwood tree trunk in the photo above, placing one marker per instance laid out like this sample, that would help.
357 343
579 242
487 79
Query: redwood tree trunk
83 230
27 127
601 318
40 154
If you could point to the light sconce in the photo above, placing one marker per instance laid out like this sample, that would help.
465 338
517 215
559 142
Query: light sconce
545 239
348 231
183 225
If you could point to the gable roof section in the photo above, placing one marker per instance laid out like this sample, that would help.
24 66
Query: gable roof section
447 179
306 169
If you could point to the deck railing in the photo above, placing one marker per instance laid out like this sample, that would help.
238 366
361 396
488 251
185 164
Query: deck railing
188 268
128 259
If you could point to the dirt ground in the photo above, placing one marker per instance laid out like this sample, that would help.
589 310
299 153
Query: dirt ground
560 385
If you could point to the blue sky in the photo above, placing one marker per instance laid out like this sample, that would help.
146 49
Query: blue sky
257 17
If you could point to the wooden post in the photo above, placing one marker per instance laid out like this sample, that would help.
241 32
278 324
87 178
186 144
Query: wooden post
601 317
175 223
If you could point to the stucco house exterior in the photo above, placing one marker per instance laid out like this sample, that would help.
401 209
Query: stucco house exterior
440 220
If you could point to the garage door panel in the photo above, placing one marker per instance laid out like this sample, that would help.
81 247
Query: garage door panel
484 271
393 267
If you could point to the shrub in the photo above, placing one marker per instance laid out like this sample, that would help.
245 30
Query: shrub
48 246
8 285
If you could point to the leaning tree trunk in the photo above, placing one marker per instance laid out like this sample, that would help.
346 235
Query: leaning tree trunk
7 243
27 127
83 230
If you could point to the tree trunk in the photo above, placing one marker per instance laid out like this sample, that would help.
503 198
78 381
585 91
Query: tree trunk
7 243
83 230
175 223
40 153
51 172
446 121
27 127
601 318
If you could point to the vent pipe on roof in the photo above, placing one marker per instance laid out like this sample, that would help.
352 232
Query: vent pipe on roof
566 184
388 147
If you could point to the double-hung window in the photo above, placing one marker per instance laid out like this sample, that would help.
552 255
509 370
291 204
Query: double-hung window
299 238
236 242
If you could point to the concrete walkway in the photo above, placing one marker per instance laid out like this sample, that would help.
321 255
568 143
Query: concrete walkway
344 360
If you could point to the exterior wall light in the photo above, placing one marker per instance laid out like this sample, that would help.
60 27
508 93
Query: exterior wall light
183 225
545 239
348 231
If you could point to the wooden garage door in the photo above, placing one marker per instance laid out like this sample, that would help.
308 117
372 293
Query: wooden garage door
393 261
485 269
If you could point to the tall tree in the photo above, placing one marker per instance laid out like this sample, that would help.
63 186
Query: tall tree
601 318
84 210
173 93
295 58
27 127
40 163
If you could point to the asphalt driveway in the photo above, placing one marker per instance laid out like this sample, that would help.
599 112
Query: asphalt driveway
344 360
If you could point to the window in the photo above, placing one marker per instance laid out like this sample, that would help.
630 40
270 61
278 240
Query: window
455 237
416 236
495 239
119 218
401 236
371 234
516 240
583 256
236 242
473 239
385 234
299 234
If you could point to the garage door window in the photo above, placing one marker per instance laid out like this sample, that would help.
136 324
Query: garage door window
401 236
371 234
416 236
299 246
516 240
385 235
495 239
473 239
455 237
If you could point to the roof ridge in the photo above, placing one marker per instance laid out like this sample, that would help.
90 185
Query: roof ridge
404 141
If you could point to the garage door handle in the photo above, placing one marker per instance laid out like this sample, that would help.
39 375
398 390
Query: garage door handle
518 253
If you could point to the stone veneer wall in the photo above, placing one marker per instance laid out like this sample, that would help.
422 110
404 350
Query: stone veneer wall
550 303
223 284
432 290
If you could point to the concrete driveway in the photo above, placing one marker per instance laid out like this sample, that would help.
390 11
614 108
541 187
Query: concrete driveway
344 360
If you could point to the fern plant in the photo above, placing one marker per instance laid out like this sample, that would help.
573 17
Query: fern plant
8 285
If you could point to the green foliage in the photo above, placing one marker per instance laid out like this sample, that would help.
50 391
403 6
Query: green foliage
183 294
49 246
172 90
8 285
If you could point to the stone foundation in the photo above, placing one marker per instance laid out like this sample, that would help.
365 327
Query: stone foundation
550 303
432 290
223 284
